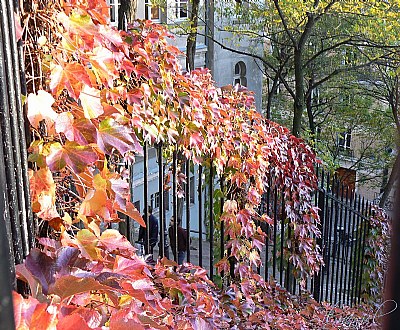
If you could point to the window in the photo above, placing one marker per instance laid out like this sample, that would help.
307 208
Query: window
155 200
181 9
239 76
151 12
114 6
344 140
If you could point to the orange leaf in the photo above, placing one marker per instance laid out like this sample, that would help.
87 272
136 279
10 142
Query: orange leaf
43 193
131 212
69 285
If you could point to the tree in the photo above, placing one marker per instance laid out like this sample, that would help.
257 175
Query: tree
301 34
126 13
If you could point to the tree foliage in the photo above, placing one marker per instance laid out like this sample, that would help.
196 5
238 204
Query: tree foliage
300 38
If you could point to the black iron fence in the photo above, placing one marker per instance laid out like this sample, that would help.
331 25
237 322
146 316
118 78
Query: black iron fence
344 226
16 225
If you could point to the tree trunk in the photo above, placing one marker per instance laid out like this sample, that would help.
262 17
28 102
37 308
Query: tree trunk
309 102
389 185
391 311
191 40
298 104
126 13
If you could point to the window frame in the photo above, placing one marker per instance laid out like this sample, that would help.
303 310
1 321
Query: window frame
179 4
148 14
239 74
114 11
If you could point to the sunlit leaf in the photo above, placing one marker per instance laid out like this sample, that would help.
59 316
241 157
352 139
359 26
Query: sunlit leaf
113 135
71 154
91 102
39 108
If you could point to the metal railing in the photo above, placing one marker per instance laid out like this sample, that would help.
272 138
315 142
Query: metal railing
344 226
16 224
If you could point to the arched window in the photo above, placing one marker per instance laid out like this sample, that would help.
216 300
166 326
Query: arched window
239 76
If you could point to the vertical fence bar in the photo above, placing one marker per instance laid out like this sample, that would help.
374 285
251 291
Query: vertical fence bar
187 198
339 238
349 242
366 231
351 274
161 200
175 204
18 130
266 264
343 246
357 253
275 231
329 239
200 198
288 275
325 235
7 272
211 202
145 196
7 137
282 235
360 251
334 213
222 240
321 204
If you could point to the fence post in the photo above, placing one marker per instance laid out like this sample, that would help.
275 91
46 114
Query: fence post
321 207
6 255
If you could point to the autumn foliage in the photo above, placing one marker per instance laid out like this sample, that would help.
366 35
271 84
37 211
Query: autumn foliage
96 95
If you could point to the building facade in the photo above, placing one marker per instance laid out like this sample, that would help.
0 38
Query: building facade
227 67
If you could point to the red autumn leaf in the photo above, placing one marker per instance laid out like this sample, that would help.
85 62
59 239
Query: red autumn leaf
97 203
84 131
133 266
113 241
121 320
103 65
134 96
121 189
113 135
71 77
141 70
72 322
71 154
80 130
23 310
44 317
